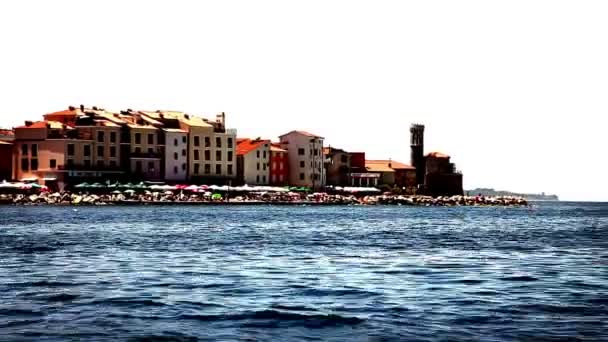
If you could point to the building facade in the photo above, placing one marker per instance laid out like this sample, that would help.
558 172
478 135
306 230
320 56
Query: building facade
337 166
305 155
253 161
279 165
176 155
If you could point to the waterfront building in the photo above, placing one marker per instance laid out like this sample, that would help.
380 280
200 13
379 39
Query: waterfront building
359 175
442 178
176 155
305 155
337 166
279 165
435 174
393 173
211 149
253 161
6 161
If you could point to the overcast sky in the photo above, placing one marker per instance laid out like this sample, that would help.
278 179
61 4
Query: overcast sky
515 91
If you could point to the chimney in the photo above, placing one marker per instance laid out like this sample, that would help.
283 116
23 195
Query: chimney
82 108
221 119
71 108
28 123
187 116
94 107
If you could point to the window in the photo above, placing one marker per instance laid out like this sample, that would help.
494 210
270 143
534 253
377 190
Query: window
263 179
34 164
264 155
100 151
280 177
184 139
112 151
113 163
343 159
207 142
301 152
197 167
197 141
175 142
34 150
301 176
264 168
100 136
207 155
184 167
316 152
196 155
24 150
207 169
175 170
218 169
150 150
138 166
100 163
137 138
258 166
218 142
257 178
70 149
302 163
218 155
70 162
87 163
229 156
52 163
87 150
274 178
230 169
257 153
150 139
25 163
274 166
112 137
137 150
184 152
151 166
229 142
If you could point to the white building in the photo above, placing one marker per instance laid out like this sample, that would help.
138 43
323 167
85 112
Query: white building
253 161
305 155
176 154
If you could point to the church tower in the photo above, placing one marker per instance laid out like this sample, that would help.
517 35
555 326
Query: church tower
417 151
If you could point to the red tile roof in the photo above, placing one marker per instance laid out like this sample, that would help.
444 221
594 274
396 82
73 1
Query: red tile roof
245 146
437 155
37 124
395 165
43 124
67 112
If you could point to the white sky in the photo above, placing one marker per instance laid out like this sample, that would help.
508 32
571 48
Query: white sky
515 91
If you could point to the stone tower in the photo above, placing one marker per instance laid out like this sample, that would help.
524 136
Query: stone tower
417 150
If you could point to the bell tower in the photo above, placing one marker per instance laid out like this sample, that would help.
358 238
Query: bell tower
417 151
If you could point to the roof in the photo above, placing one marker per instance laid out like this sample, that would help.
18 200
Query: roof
277 149
378 167
106 123
247 145
136 126
43 124
308 134
67 112
389 164
174 130
437 155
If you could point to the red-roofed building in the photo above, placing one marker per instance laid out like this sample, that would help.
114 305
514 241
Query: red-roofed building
306 160
393 173
279 165
253 161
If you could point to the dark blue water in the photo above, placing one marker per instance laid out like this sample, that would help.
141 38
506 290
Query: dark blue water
304 273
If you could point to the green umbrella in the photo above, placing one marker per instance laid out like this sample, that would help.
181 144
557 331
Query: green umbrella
126 186
82 185
216 197
96 185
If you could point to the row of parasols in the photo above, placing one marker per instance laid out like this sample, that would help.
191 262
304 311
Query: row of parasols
22 186
194 188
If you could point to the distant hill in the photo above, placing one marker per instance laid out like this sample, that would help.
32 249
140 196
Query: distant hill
492 192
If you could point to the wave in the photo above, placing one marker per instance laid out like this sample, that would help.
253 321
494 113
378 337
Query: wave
519 278
62 297
314 320
128 302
